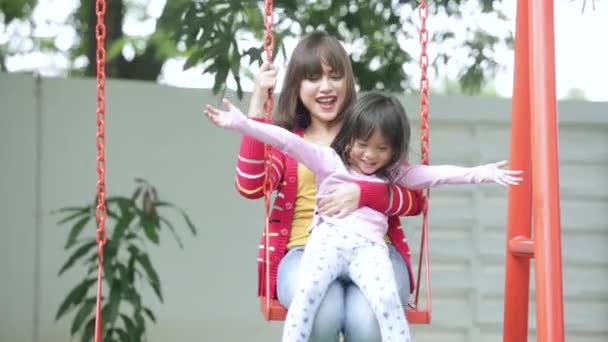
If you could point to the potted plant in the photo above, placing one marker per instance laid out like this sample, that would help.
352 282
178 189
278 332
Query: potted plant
131 223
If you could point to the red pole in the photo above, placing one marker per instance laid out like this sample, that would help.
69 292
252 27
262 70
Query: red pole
545 174
517 270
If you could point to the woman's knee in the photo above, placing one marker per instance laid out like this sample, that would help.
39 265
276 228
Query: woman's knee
287 275
360 324
402 276
330 315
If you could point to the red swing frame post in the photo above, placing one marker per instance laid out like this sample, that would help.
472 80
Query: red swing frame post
534 150
272 310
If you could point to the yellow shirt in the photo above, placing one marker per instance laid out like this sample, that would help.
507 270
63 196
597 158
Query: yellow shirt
303 210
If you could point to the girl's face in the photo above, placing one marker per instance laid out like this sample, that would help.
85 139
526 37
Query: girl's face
369 156
323 95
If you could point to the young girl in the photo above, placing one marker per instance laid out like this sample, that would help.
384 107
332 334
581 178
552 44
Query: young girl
372 144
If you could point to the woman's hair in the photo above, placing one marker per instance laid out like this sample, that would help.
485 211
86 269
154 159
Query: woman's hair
376 111
306 62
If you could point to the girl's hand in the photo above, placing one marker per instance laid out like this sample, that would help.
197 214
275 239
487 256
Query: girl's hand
226 119
340 201
498 173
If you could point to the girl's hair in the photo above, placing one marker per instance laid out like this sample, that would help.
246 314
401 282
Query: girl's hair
306 62
376 111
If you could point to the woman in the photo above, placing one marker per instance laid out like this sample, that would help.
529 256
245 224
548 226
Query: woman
317 92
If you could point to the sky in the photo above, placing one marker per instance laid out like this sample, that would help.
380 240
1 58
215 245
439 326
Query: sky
580 58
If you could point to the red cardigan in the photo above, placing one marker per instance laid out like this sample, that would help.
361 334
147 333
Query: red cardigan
249 181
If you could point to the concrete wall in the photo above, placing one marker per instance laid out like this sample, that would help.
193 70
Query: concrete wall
47 153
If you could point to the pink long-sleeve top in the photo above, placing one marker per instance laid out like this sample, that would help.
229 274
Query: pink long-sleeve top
329 169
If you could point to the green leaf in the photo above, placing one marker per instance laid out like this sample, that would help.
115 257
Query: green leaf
16 9
76 230
173 232
122 335
121 201
133 297
89 330
220 79
136 193
141 181
122 225
134 323
92 261
131 264
74 297
113 305
193 59
129 327
141 323
81 251
111 213
191 226
150 314
153 278
79 212
189 222
149 229
86 309
108 261
254 53
123 272
70 209
115 48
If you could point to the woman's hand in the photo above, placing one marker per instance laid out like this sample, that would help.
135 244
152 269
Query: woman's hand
340 201
265 79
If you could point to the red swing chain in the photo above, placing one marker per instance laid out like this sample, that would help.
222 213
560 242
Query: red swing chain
424 147
100 212
268 106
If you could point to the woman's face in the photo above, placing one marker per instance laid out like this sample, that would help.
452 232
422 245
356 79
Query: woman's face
323 96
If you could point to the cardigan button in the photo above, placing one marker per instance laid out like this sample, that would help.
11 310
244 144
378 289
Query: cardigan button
288 206
292 179
284 232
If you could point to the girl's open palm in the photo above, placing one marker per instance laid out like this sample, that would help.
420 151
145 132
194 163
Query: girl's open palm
225 118
498 173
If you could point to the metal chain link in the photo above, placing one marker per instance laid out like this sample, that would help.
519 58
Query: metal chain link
100 210
424 84
100 34
269 103
424 148
424 95
268 106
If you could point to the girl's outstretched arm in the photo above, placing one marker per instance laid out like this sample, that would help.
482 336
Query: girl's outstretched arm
318 159
425 176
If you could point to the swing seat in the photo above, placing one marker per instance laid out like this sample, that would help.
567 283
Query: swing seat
277 312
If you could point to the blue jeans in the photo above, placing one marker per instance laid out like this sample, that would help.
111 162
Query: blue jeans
344 309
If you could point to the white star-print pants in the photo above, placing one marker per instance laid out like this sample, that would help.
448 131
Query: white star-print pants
330 252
